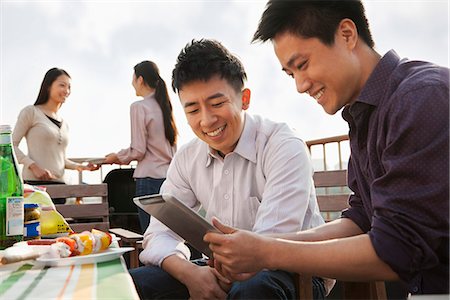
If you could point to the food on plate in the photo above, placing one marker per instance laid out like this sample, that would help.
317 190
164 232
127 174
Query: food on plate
83 243
71 245
91 242
58 250
102 240
77 244
41 242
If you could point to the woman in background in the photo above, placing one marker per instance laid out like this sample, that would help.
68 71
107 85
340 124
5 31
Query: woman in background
46 134
153 134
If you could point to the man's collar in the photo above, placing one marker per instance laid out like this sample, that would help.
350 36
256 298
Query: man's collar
375 86
246 146
374 89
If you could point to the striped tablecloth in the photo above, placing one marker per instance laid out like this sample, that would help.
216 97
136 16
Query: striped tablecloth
104 280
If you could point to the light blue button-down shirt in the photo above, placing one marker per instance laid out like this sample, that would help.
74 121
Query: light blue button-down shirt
265 185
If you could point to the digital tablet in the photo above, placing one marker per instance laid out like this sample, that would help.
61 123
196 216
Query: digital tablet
180 218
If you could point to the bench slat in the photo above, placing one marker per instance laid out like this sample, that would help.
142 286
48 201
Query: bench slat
83 210
80 227
77 190
329 203
85 216
335 178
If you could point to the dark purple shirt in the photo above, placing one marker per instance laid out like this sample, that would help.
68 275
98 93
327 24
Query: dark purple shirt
399 169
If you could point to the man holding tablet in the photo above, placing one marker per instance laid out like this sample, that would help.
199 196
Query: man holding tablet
252 173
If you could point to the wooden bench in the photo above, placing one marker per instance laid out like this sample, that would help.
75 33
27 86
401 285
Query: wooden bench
86 216
332 197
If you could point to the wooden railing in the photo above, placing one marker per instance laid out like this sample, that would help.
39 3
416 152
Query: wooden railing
328 141
341 141
332 197
102 172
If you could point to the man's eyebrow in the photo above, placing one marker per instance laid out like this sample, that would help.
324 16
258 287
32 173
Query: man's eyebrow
187 104
291 61
214 96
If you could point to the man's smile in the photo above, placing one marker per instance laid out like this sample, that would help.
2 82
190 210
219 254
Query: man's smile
215 132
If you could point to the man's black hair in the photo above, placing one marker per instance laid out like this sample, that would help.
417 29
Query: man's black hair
312 19
204 59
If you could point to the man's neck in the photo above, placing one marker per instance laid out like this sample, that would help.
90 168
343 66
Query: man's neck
369 60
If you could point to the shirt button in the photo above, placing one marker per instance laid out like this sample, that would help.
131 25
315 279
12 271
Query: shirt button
227 172
226 196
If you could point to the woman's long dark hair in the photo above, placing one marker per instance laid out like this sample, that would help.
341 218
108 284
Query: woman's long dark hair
49 78
150 73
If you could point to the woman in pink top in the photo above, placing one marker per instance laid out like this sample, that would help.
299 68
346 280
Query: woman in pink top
153 134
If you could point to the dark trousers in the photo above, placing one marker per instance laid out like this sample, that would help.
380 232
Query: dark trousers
146 186
154 283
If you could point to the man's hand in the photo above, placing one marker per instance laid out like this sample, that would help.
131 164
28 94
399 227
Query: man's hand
227 275
238 254
203 284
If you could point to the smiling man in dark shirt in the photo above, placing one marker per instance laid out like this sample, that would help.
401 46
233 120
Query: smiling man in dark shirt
397 226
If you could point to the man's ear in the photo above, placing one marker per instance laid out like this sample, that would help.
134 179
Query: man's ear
245 98
348 32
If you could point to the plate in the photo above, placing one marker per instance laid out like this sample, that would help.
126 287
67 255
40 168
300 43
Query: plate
96 161
107 255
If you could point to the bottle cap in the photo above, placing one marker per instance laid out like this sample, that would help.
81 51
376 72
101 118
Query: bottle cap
5 128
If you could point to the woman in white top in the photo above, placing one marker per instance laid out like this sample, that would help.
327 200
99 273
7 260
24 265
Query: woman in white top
46 134
153 134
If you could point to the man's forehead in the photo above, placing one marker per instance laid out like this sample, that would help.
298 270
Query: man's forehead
289 47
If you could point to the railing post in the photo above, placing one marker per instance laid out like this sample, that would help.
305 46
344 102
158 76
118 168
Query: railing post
80 177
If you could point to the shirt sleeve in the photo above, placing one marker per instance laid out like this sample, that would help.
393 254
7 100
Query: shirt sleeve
159 241
410 201
356 211
139 133
287 189
23 124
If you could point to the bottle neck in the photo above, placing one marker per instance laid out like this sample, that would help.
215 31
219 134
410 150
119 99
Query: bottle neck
5 139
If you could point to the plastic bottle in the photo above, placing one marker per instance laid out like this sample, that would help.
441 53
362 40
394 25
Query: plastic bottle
11 192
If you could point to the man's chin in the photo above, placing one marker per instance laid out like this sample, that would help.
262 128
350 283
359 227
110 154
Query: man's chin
331 110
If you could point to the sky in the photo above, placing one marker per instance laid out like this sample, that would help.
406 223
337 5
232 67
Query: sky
99 42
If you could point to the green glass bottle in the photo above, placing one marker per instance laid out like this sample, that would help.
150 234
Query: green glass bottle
11 192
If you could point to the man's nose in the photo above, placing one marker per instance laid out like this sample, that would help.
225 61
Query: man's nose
208 119
303 84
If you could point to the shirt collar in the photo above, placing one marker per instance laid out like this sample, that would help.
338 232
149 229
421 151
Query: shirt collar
375 86
150 96
374 89
246 146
